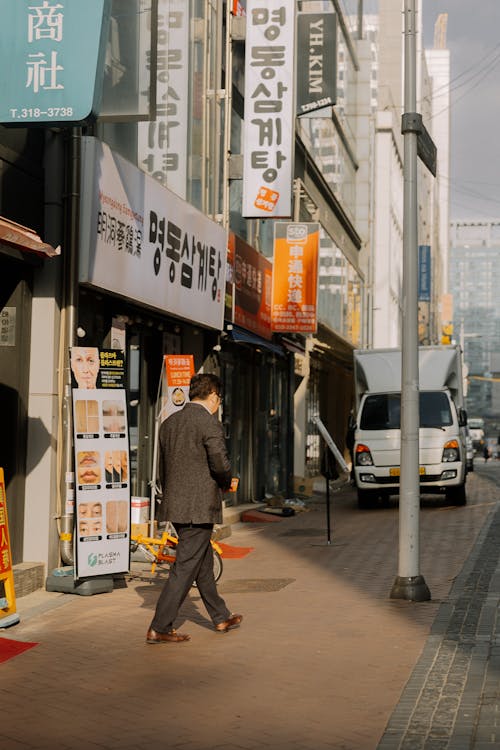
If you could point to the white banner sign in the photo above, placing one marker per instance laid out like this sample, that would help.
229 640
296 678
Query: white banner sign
269 127
141 241
162 143
102 462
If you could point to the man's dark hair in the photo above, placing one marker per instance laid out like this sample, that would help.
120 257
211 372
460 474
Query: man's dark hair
203 384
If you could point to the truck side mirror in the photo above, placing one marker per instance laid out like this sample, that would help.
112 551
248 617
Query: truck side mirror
462 418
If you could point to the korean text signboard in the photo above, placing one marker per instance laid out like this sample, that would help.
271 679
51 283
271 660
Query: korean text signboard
141 241
8 614
52 57
269 125
102 465
252 274
317 62
424 272
163 141
295 277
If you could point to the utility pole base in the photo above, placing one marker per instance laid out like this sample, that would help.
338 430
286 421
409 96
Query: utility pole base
412 588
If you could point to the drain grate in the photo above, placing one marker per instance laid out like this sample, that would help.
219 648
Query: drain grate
253 585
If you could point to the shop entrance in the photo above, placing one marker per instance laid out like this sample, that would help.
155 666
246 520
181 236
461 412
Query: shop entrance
256 421
15 317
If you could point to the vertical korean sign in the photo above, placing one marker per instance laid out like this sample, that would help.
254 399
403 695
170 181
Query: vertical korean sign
102 468
162 143
52 58
269 125
424 294
295 277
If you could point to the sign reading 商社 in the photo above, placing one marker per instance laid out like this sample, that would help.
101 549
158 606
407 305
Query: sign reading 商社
269 125
52 59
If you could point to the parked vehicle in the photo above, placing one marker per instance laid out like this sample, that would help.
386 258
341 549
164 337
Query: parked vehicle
469 448
476 429
442 443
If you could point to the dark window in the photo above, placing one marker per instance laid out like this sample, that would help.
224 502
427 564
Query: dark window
382 411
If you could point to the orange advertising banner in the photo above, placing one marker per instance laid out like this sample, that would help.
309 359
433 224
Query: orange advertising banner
295 277
179 369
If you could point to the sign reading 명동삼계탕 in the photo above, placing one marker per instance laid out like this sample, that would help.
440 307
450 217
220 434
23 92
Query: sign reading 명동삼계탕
51 56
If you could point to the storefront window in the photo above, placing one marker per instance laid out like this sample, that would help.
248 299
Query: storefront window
339 296
329 152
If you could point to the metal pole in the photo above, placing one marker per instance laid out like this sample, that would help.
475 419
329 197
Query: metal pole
360 19
409 584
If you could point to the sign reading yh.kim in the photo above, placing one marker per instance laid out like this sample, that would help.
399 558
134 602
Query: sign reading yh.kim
52 56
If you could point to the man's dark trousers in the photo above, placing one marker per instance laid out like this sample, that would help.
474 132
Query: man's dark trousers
194 562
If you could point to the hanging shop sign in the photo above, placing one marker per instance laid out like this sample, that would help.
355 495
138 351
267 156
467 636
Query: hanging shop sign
102 463
162 142
52 58
179 369
269 125
295 277
8 615
141 241
252 274
317 63
424 273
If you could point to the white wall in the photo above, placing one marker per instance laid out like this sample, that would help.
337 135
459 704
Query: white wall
387 256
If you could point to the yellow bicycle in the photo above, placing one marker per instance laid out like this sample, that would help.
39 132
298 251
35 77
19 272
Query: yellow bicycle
162 551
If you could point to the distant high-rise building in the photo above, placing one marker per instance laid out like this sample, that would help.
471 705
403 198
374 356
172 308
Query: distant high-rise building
474 280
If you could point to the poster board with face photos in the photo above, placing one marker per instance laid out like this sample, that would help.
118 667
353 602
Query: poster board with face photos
102 462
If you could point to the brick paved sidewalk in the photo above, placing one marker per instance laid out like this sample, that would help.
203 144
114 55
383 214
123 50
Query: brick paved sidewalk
452 700
320 661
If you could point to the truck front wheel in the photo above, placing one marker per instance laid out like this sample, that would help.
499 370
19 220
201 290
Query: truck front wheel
456 495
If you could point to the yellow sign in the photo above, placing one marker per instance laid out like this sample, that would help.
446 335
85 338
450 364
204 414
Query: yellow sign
8 614
394 472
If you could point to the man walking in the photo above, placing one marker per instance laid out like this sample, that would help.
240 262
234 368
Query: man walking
194 469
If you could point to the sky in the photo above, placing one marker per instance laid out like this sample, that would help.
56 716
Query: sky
473 38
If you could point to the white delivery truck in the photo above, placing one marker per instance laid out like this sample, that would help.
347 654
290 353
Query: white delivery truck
442 439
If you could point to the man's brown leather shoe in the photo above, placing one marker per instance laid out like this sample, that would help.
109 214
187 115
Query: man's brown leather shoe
232 622
171 637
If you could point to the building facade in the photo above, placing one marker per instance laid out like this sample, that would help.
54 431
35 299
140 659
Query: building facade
139 199
473 280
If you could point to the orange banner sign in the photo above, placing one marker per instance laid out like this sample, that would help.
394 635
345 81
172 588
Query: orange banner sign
179 369
295 277
8 614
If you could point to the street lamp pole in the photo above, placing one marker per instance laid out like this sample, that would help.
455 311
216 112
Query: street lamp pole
409 584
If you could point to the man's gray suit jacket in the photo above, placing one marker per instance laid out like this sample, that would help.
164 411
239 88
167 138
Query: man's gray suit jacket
193 466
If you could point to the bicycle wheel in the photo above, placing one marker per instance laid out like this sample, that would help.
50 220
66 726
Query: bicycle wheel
218 567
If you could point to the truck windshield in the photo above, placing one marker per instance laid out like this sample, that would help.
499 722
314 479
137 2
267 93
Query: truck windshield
382 411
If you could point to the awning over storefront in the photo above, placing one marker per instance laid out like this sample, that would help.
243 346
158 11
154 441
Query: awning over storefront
23 238
240 335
